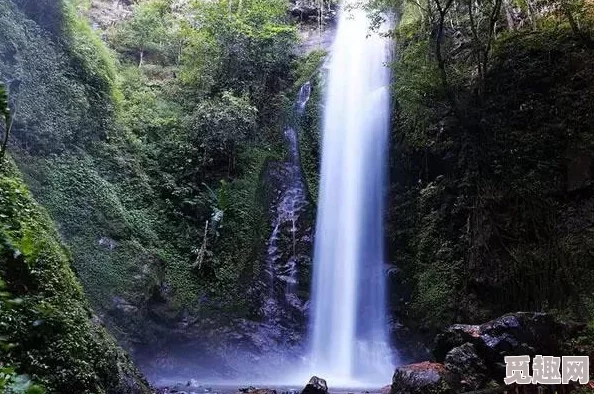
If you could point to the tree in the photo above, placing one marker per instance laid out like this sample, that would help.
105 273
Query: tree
244 47
572 10
144 32
6 118
482 18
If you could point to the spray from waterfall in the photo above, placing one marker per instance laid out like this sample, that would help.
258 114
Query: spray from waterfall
350 344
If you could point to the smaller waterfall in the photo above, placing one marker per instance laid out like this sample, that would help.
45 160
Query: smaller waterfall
281 264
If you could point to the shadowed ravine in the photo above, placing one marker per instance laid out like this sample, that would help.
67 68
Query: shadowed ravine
290 196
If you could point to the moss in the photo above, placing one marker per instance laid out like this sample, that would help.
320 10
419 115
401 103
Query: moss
310 133
91 58
485 205
103 147
57 341
308 67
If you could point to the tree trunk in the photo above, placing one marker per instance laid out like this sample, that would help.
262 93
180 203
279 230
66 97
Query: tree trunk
511 25
8 121
574 26
5 142
438 55
492 22
477 45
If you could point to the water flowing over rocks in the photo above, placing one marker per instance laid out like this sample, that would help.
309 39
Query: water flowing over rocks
286 270
349 329
243 347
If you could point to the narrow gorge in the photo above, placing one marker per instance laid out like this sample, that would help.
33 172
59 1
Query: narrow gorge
249 195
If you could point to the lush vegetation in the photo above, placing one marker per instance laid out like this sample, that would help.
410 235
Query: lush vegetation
492 144
46 326
148 148
147 142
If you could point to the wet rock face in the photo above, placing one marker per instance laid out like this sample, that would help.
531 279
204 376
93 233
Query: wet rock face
421 378
287 268
317 23
310 11
316 385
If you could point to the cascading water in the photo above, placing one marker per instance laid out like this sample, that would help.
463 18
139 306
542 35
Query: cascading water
282 267
348 328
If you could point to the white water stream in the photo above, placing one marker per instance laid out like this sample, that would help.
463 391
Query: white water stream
348 327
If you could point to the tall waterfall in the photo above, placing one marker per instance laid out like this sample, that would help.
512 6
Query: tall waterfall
348 327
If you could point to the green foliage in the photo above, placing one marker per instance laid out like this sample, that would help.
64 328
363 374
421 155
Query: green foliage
72 85
245 50
54 340
151 30
147 110
486 171
91 59
132 161
418 91
11 383
309 67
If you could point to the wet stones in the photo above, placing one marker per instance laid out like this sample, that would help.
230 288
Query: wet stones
316 385
421 378
471 357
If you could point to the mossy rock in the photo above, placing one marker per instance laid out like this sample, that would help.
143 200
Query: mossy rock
56 339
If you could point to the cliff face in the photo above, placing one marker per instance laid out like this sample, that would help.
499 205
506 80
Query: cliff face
52 334
62 87
490 197
491 201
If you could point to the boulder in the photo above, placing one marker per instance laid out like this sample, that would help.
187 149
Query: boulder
512 334
316 385
467 368
471 357
193 383
454 336
421 378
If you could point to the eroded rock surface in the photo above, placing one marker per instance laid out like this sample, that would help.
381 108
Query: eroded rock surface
421 378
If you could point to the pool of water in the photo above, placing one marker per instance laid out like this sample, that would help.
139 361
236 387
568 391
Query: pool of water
193 386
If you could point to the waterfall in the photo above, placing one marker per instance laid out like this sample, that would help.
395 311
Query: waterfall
282 264
348 324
